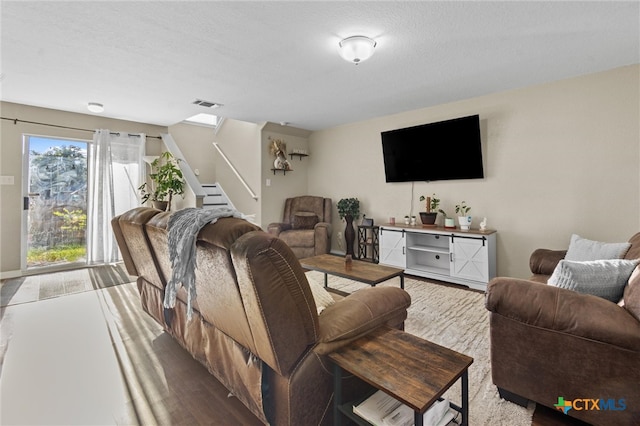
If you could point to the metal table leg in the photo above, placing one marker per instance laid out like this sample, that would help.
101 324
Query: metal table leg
337 394
418 419
465 398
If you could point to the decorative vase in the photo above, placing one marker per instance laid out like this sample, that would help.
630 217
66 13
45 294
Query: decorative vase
449 222
465 222
349 234
406 220
281 163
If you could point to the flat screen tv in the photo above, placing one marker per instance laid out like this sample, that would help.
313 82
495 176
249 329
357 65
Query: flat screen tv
445 150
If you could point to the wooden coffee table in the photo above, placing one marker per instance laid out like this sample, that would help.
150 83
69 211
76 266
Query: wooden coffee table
412 370
357 270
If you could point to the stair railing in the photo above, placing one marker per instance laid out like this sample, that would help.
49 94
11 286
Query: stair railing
235 171
187 172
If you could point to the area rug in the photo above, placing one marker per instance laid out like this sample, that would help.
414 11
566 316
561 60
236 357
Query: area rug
456 318
39 287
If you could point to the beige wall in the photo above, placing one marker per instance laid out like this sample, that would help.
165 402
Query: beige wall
287 185
195 142
11 161
560 158
240 142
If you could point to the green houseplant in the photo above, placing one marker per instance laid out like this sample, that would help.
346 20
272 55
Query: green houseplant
349 209
462 210
431 206
449 222
166 181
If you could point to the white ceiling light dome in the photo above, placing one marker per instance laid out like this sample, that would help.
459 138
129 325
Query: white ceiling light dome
356 49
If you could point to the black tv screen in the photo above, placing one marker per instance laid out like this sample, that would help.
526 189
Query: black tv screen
444 150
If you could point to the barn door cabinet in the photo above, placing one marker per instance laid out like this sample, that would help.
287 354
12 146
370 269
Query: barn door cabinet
460 257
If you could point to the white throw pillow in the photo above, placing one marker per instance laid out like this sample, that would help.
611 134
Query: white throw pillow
581 249
602 278
321 296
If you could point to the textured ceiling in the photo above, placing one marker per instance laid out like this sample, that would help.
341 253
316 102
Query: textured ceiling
278 61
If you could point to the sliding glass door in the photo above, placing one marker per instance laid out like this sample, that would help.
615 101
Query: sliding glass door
54 202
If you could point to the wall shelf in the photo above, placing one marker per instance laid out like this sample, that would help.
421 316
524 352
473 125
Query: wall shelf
296 154
284 171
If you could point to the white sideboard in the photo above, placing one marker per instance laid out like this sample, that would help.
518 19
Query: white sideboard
453 255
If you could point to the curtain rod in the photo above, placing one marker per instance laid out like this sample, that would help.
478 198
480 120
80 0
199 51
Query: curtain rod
17 120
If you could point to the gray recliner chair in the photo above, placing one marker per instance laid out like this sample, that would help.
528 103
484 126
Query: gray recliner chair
305 226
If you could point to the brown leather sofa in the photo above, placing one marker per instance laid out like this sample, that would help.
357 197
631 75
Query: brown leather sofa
305 226
548 342
255 325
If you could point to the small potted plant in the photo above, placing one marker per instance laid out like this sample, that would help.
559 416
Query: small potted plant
166 181
349 209
449 222
464 219
431 206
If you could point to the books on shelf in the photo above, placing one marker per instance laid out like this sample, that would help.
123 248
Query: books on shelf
381 409
375 408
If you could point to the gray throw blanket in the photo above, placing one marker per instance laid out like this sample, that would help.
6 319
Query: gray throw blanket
184 226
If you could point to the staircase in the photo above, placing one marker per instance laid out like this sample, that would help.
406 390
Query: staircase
215 197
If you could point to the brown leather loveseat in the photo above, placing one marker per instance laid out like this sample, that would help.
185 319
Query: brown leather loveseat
255 325
549 343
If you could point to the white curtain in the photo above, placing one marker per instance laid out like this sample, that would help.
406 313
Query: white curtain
116 170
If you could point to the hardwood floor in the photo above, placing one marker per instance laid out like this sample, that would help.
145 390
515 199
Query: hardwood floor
83 367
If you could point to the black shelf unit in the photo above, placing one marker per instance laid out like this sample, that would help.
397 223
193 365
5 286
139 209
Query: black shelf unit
368 243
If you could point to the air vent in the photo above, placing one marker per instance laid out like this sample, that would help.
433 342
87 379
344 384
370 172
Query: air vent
206 104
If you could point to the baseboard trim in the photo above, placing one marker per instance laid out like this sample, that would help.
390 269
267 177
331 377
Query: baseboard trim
6 275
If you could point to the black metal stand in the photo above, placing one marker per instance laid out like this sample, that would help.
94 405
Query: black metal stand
368 243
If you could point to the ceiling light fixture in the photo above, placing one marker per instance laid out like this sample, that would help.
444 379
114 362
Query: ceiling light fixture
95 107
356 49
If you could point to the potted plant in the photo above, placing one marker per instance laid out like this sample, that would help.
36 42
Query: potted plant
431 207
464 219
449 222
349 209
166 181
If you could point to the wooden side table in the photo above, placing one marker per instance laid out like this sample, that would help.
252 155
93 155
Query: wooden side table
414 371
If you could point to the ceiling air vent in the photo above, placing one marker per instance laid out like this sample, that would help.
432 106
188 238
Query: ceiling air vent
206 104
